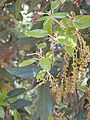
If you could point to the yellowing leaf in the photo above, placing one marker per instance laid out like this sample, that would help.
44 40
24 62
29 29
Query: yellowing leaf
5 86
51 117
3 94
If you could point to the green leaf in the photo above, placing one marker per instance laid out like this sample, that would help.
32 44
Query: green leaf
3 95
2 113
37 33
47 25
45 63
24 72
4 74
70 50
69 43
66 41
44 102
20 103
49 54
42 45
83 22
42 18
4 104
16 92
61 31
60 15
67 22
16 115
70 31
82 88
18 6
26 40
41 74
28 62
55 4
62 40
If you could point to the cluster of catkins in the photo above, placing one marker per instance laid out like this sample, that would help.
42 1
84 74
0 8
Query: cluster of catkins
72 72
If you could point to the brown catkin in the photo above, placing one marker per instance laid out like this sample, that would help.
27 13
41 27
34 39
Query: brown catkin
73 71
53 88
59 93
68 86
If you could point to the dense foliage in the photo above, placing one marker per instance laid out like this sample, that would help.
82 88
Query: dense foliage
44 60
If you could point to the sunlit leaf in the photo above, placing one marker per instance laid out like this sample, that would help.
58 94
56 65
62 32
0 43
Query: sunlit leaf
62 40
41 74
16 115
67 22
27 62
42 18
4 104
70 31
60 15
37 33
83 22
3 94
45 63
70 51
82 88
47 25
42 45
